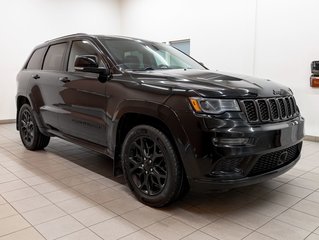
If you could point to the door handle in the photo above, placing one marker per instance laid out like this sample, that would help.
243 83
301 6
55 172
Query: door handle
64 79
36 76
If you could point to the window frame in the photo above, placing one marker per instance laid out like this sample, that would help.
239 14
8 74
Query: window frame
63 58
98 50
31 55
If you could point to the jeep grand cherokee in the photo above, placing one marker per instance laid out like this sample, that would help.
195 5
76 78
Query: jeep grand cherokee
166 120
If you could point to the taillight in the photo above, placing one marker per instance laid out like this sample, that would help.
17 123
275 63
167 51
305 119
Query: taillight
314 81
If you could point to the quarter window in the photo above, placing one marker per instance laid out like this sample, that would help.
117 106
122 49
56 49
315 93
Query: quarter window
35 61
54 57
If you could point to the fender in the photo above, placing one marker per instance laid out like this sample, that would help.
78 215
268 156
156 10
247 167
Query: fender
152 109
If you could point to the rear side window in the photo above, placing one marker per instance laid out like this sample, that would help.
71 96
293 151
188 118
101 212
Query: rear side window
54 57
35 61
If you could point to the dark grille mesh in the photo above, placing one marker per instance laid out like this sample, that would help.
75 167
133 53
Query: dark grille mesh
264 112
282 108
274 160
274 109
251 111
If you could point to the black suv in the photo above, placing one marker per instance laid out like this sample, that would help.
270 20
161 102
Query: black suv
166 120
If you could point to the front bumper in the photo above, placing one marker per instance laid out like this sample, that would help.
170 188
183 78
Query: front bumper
201 184
271 150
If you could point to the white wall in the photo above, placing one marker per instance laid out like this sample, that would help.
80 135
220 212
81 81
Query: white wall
24 24
216 28
287 41
266 38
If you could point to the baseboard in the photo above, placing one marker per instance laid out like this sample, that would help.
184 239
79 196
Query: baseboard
311 138
6 121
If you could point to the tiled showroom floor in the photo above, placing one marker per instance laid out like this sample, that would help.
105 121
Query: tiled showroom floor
68 192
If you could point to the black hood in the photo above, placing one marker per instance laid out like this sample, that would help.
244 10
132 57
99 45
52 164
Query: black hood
211 84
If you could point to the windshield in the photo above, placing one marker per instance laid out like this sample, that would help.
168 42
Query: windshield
138 55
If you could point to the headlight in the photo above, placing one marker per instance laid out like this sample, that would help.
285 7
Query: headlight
214 106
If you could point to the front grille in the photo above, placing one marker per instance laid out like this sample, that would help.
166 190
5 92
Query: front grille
274 160
270 110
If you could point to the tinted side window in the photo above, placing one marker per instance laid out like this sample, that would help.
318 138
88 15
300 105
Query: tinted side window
54 57
35 61
82 48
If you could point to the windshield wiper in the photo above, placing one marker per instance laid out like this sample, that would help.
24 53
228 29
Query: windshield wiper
148 68
159 67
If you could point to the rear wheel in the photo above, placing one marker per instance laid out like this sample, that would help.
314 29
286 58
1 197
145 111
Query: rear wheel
30 135
151 167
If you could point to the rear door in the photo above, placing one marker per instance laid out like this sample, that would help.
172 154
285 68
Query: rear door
46 85
84 98
31 72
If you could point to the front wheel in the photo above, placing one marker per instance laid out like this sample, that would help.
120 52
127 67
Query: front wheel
151 166
30 134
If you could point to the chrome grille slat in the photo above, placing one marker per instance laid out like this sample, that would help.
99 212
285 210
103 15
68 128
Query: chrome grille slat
270 109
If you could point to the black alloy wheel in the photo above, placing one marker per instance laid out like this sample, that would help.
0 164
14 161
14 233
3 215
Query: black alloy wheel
147 165
27 127
30 134
151 167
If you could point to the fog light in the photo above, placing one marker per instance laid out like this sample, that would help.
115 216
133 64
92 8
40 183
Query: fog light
230 141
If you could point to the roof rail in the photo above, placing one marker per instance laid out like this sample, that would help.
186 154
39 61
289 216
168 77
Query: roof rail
66 36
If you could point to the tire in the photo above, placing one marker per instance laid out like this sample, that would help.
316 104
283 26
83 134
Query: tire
151 167
30 134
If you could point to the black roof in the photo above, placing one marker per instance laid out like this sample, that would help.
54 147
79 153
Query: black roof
69 36
92 36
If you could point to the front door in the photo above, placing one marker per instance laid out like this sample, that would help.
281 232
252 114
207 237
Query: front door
84 98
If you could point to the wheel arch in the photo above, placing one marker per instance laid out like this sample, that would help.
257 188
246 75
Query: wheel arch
22 99
156 115
130 120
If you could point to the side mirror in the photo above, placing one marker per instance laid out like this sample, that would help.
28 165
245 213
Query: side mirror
88 63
